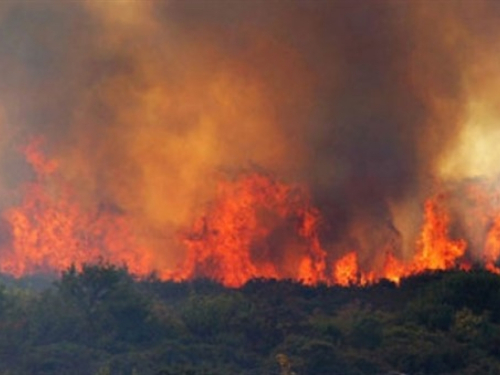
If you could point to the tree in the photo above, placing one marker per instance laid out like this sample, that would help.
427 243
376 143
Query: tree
109 301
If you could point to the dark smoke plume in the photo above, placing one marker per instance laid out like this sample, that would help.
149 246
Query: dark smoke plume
364 102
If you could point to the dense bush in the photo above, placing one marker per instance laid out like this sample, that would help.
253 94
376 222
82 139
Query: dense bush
101 320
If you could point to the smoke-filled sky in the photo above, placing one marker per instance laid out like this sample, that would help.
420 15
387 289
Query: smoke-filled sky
146 103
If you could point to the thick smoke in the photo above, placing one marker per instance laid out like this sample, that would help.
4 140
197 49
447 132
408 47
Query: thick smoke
144 103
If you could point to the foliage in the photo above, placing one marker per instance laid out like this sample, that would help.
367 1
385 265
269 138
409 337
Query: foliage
101 320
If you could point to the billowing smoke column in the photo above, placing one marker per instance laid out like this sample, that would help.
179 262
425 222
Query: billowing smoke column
145 107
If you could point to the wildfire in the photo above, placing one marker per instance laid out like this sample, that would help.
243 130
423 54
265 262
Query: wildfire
394 269
346 269
50 231
492 247
234 242
255 227
435 250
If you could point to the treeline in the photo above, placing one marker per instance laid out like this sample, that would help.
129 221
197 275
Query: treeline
102 321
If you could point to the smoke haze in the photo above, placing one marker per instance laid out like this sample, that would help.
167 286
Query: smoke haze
145 104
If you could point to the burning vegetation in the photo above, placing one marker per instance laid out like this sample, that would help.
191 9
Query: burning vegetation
256 227
324 142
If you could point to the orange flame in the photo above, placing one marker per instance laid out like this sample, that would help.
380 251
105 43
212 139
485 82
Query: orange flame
492 247
255 227
394 269
51 232
345 270
435 250
232 243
